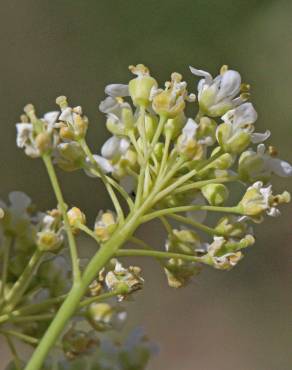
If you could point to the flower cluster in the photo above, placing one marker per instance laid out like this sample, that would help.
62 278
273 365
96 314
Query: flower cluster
172 155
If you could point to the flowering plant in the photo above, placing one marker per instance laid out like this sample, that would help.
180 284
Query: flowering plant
158 164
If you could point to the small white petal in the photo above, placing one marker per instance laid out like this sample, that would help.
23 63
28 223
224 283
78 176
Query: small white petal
190 128
245 114
230 84
103 163
24 130
67 115
117 90
258 137
51 117
199 72
111 147
124 145
279 167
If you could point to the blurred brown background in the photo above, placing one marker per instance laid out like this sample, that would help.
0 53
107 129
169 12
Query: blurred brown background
223 321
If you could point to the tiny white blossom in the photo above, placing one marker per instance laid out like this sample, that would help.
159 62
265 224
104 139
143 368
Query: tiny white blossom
272 164
115 147
217 95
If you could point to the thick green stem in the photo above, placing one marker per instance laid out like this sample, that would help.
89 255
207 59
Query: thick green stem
63 209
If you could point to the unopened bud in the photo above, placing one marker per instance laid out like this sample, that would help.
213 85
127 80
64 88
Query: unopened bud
75 217
43 142
233 142
140 87
216 194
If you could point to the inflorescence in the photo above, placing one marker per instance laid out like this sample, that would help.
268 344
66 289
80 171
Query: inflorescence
174 156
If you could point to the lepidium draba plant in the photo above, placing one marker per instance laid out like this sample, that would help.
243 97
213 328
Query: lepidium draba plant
172 157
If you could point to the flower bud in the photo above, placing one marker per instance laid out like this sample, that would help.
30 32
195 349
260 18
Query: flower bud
173 126
216 194
158 150
207 130
105 225
80 126
150 126
75 217
102 316
250 166
233 142
43 142
140 87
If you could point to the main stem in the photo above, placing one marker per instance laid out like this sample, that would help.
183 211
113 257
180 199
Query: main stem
78 290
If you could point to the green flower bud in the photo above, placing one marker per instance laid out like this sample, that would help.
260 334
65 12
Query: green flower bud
250 167
207 127
158 150
173 126
233 142
105 225
150 126
75 217
140 87
216 194
43 142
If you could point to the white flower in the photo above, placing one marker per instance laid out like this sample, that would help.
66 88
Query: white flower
26 135
259 199
216 96
115 147
242 118
103 163
272 164
69 114
119 115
